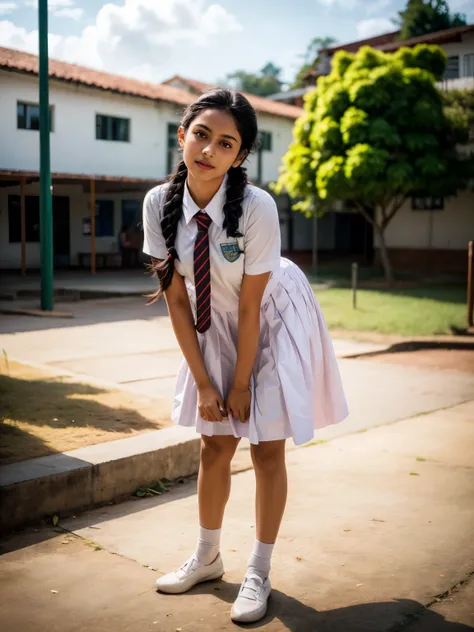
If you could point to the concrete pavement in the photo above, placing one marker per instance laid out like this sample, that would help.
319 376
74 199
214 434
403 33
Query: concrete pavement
370 538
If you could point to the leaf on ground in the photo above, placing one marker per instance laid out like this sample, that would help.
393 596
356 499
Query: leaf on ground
347 530
414 474
357 585
54 592
420 459
298 559
55 520
377 520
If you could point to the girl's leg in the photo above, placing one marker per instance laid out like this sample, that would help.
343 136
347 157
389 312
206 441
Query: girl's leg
213 492
270 471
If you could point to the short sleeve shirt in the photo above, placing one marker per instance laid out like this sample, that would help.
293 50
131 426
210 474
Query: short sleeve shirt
256 252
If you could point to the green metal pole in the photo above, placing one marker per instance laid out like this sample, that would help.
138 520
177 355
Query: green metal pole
46 206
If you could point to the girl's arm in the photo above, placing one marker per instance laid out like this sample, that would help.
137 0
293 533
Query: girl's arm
253 287
179 307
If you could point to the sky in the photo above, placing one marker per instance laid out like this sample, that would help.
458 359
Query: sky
152 40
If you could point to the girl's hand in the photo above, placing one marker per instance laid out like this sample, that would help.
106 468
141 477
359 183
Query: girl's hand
238 403
210 404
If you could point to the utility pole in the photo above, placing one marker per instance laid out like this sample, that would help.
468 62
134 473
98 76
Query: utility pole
46 206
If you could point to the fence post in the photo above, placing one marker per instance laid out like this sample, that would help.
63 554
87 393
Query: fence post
470 286
355 269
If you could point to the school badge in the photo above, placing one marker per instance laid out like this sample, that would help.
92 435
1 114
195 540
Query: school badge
231 251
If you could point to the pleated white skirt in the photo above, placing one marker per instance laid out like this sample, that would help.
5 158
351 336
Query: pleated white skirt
296 385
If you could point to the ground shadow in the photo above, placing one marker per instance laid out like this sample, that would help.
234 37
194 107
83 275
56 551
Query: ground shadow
390 616
84 313
419 345
61 405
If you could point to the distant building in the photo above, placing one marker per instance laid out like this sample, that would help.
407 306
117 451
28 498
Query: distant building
112 139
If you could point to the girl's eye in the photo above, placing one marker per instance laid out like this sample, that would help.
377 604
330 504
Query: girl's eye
200 134
227 145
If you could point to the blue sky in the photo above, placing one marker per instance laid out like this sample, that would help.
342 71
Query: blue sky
203 39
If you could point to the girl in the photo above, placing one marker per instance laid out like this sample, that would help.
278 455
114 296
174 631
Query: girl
258 361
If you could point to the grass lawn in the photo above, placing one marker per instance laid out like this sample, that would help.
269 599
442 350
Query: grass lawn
419 311
42 414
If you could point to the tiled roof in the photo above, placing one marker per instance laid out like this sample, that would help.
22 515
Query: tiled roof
389 41
15 60
193 84
261 104
439 37
24 62
352 47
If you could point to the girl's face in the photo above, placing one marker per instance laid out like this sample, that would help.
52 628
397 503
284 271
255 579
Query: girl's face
211 145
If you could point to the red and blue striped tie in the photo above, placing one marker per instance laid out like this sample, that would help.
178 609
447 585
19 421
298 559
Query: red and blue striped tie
202 273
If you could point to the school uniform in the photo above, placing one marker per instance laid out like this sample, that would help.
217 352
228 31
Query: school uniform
295 384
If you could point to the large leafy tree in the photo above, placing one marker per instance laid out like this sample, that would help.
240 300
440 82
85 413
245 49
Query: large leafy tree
311 59
373 133
262 84
427 16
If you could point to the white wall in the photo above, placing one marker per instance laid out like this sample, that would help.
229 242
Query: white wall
451 228
74 147
466 47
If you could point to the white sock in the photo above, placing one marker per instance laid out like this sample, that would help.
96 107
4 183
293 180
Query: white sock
208 545
260 560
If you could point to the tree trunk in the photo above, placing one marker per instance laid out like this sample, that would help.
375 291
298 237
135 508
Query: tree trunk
387 266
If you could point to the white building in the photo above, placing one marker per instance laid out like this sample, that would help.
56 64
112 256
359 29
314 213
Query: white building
112 139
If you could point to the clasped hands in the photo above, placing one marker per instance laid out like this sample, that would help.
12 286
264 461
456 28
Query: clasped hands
213 408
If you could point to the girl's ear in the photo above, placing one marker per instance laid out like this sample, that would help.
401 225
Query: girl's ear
240 158
181 136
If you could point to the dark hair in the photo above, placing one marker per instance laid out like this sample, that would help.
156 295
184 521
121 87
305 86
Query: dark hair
246 121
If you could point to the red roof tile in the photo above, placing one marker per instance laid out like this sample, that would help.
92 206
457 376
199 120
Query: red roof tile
15 60
259 103
388 41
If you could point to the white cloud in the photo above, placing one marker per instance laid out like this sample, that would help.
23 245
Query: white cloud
75 13
59 8
7 7
134 38
374 26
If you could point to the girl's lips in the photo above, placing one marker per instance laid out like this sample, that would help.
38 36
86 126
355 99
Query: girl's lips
204 166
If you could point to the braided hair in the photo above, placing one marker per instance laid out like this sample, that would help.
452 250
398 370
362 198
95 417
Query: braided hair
246 121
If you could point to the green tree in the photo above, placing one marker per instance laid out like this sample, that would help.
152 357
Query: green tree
373 133
427 16
262 84
311 59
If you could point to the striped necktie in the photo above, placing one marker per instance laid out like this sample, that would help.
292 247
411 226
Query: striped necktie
202 273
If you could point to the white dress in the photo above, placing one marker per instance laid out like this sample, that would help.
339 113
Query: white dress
295 384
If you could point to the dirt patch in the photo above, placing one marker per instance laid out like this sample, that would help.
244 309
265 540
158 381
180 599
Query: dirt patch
42 414
439 359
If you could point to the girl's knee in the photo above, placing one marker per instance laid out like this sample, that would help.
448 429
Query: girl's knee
217 450
268 456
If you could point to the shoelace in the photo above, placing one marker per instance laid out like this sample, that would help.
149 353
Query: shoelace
188 566
251 587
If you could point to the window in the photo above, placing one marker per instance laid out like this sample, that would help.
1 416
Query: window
427 203
112 128
265 141
172 151
468 70
452 68
32 219
28 116
104 218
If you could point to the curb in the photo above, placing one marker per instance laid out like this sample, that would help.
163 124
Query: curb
93 475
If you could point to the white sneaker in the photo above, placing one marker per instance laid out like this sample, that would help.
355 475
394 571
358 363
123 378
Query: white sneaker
189 574
251 602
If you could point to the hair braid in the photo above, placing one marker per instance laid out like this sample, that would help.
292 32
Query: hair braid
236 183
172 212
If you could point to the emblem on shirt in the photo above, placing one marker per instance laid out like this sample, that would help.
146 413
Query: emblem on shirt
231 251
